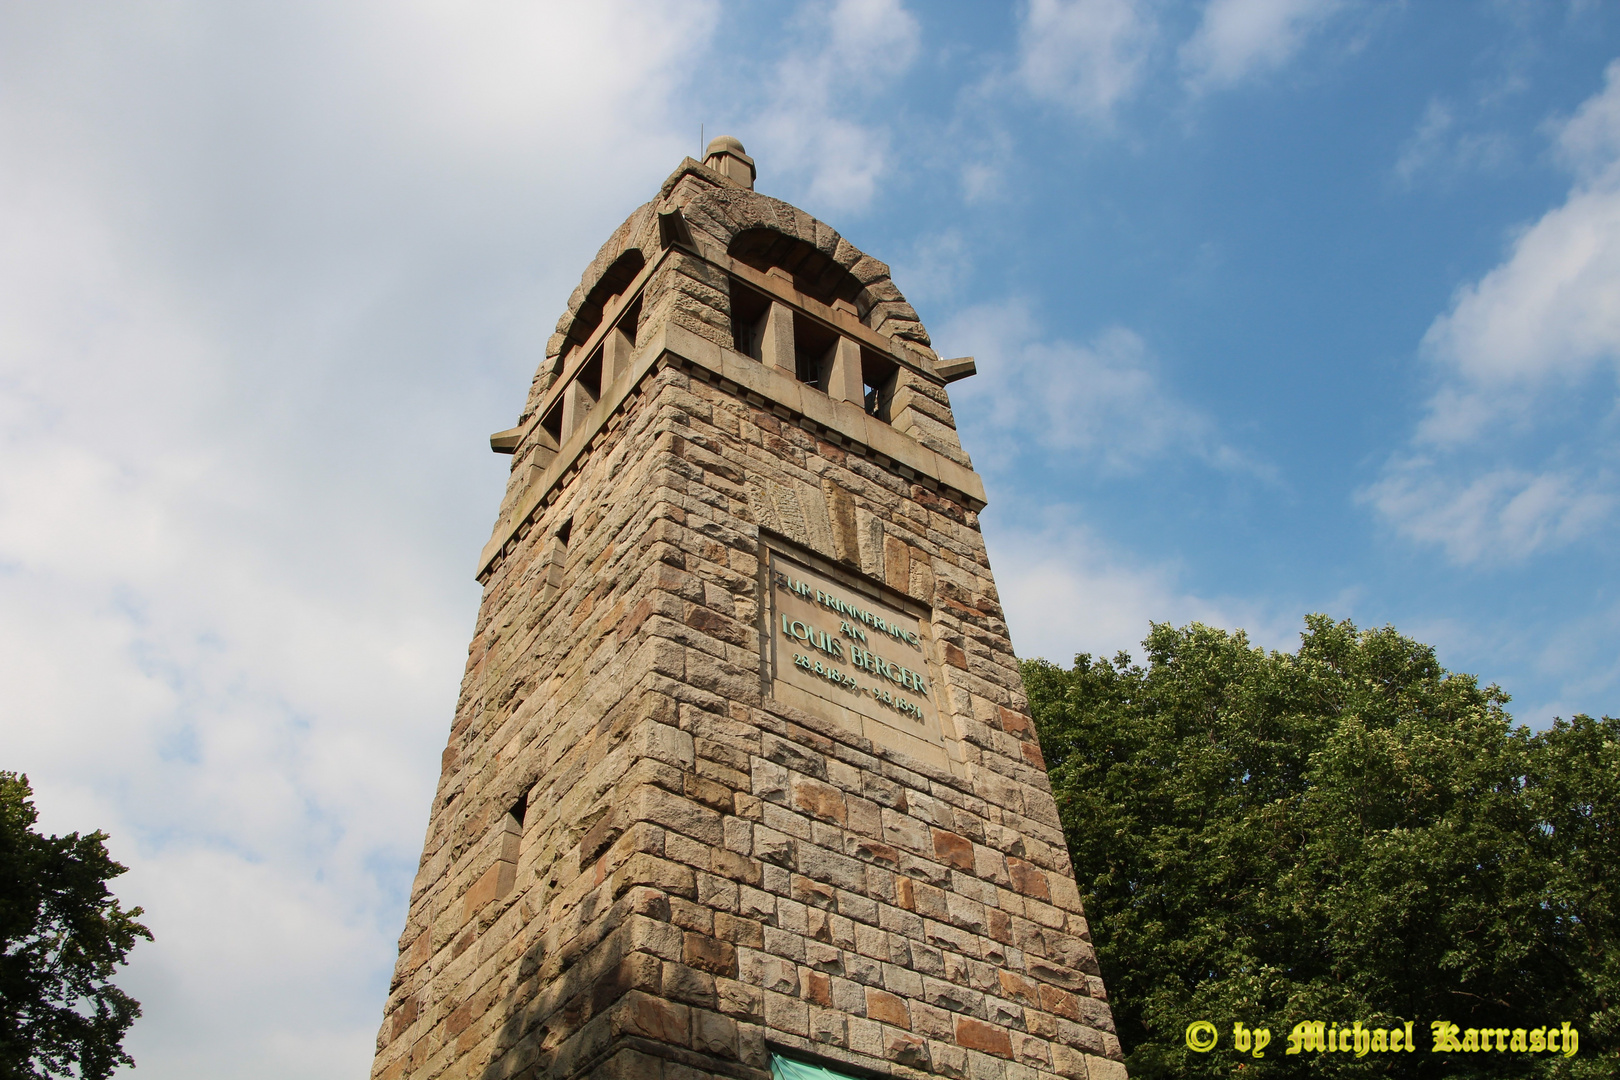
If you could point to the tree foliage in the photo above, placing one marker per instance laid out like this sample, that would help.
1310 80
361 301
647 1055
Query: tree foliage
1345 833
62 935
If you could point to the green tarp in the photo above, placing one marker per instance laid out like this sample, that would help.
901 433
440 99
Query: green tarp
785 1069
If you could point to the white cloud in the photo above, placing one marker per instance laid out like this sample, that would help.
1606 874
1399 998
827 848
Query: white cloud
1517 353
869 35
1505 513
1098 407
1426 142
812 128
1580 655
270 274
1437 147
1239 38
1589 141
1085 55
1548 312
1066 591
936 268
1100 402
1091 57
1572 658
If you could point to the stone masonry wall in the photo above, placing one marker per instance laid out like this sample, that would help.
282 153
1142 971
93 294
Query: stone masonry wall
701 871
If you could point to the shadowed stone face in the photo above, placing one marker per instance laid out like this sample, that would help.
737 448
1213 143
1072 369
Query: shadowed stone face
741 763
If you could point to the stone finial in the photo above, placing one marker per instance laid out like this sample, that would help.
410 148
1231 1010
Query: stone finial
725 155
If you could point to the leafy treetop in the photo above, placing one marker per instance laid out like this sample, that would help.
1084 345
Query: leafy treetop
1349 832
62 935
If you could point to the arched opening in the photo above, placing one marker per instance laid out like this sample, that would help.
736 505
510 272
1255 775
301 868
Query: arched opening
605 297
814 273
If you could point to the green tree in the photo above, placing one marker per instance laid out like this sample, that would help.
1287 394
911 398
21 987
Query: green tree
1345 833
62 935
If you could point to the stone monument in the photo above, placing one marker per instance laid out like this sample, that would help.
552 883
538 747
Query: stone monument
742 777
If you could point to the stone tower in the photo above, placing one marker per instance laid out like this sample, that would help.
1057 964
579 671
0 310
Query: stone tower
742 777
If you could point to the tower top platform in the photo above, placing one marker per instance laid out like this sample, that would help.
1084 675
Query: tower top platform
705 263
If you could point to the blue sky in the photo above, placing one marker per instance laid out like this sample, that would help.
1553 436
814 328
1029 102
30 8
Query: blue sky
1279 306
1232 238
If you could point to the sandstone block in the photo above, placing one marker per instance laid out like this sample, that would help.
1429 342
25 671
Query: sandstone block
978 1035
887 1008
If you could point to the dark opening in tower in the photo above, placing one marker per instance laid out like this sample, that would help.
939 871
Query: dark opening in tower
813 346
749 309
879 376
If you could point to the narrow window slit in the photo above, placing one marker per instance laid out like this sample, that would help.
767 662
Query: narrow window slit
748 312
511 843
813 346
879 377
553 423
553 560
590 376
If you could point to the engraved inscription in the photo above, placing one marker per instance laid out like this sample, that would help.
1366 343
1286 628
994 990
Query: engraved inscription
847 656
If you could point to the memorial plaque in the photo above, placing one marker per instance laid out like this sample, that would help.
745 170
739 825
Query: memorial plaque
840 651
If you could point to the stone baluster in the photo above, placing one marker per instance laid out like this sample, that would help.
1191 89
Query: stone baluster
776 339
616 352
841 375
577 404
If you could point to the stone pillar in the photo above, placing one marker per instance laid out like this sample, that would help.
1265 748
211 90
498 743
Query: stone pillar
776 339
616 350
921 409
577 404
842 374
725 156
742 765
544 450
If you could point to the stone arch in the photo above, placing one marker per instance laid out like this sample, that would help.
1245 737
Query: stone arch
612 282
755 229
814 273
637 234
737 216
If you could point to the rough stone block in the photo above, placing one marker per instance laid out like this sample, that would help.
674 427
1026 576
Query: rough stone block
1103 1069
887 1008
987 1038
